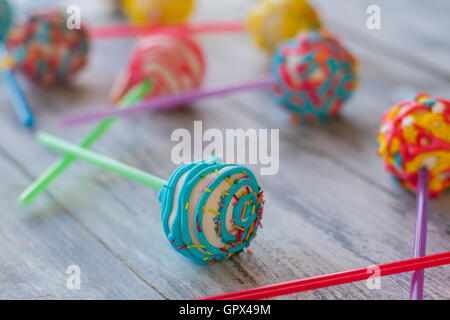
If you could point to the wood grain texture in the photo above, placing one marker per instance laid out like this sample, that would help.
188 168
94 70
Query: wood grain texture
330 208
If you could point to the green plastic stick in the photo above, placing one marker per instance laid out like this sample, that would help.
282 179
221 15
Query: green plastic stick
106 163
39 186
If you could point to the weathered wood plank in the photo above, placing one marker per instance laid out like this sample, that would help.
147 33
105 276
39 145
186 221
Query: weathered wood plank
414 31
36 250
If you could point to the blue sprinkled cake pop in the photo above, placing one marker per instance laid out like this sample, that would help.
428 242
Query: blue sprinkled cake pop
210 210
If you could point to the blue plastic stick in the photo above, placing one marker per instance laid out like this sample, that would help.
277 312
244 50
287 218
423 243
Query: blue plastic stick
18 99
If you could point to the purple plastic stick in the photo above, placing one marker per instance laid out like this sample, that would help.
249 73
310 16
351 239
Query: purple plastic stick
420 237
167 102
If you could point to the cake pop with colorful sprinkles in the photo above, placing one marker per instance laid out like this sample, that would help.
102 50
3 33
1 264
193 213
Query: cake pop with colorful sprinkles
157 11
174 63
272 21
47 51
315 75
415 134
211 211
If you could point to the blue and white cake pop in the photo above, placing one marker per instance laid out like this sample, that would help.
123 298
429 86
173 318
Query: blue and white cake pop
210 210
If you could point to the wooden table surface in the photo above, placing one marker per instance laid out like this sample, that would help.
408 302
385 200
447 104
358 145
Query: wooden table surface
330 208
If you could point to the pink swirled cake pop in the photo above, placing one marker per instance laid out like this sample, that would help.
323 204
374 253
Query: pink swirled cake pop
174 63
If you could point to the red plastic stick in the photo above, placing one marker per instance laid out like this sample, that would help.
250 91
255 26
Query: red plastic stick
129 30
334 279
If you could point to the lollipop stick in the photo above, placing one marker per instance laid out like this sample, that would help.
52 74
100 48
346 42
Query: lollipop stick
169 101
101 161
129 30
334 279
420 236
35 189
19 101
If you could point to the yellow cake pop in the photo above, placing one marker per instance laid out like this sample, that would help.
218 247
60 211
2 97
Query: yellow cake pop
272 21
157 11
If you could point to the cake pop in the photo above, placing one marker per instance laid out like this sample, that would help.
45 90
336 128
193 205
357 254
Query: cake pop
272 21
313 76
210 211
416 134
46 51
414 140
175 63
18 99
159 65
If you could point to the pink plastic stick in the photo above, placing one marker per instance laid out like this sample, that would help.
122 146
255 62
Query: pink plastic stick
128 30
167 102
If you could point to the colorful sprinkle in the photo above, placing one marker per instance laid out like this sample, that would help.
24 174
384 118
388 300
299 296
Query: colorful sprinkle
229 181
196 246
238 227
214 211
